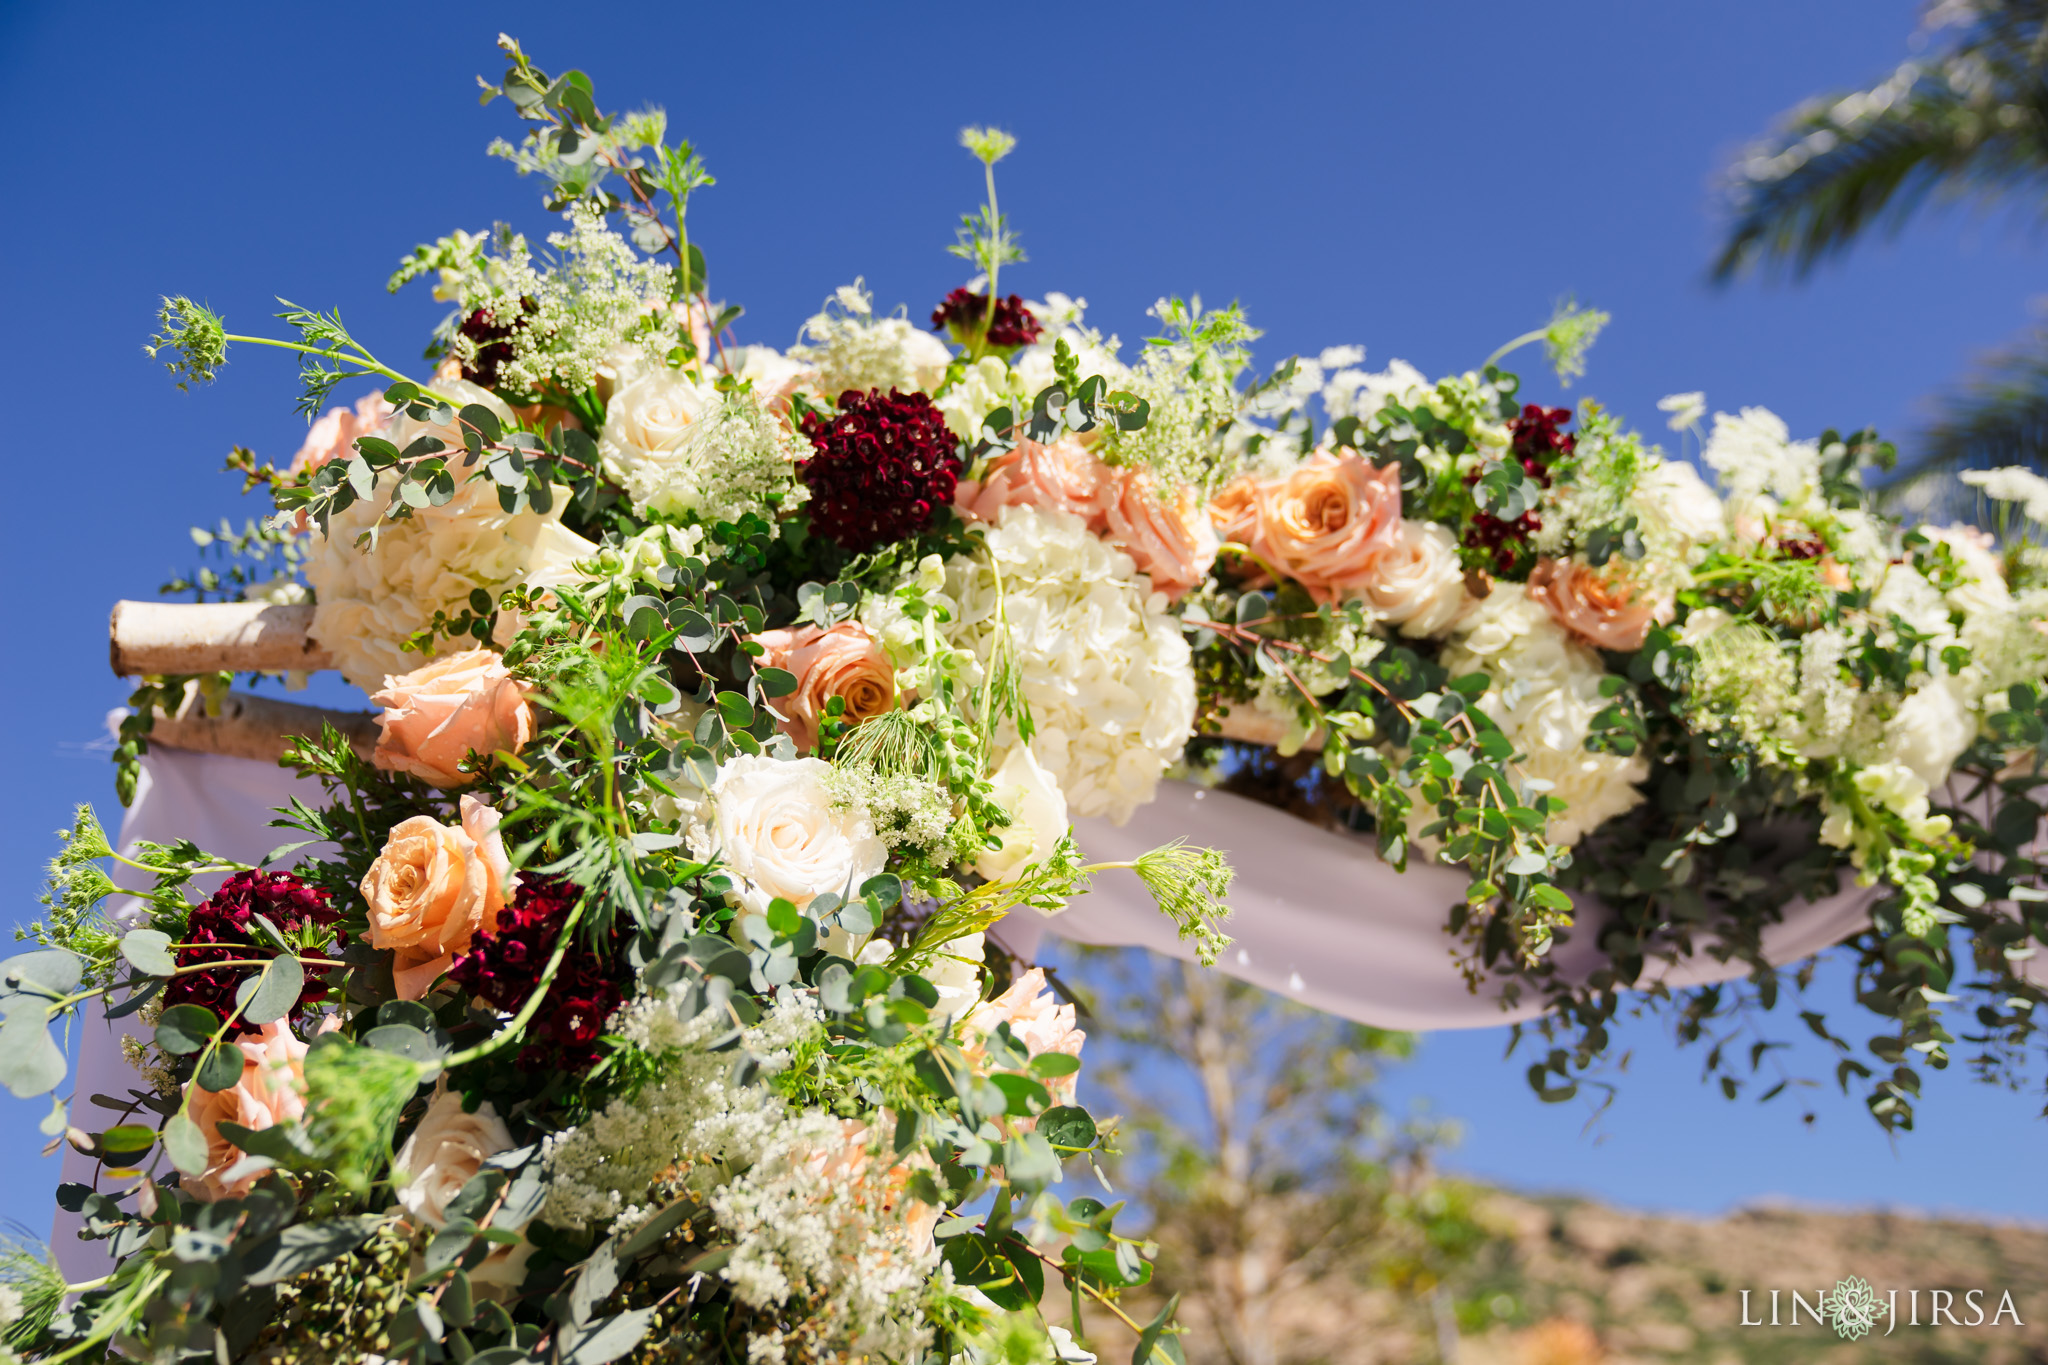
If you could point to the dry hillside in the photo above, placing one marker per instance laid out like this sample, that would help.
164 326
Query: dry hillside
1571 1282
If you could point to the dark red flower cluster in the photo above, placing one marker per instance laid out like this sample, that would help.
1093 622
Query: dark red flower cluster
220 929
1011 325
1801 547
493 338
883 468
505 966
1537 443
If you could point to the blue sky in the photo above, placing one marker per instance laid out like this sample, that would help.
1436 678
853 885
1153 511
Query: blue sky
1422 180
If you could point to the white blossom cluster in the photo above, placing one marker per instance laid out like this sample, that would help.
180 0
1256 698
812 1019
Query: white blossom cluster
851 348
574 317
1106 669
822 1231
1545 692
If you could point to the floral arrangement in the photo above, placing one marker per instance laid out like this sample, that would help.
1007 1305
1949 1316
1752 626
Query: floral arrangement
632 1001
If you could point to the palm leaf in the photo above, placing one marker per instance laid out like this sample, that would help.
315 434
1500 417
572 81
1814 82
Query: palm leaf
1998 416
1971 123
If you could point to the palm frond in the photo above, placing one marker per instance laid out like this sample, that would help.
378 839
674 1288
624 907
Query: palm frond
1971 123
1997 416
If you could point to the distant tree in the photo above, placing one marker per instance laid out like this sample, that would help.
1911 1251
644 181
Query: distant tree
1966 123
1254 1141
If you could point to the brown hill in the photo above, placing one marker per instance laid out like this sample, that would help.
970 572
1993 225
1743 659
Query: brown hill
1572 1282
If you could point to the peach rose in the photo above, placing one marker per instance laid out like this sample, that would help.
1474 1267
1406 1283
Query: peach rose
436 716
1234 510
432 887
271 1091
1062 477
334 435
1323 524
851 1162
1172 542
1038 1020
1419 584
844 662
1582 600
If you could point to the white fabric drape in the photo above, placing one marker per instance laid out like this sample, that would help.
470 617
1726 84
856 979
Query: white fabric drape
1316 915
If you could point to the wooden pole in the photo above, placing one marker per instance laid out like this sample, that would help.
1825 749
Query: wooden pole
212 637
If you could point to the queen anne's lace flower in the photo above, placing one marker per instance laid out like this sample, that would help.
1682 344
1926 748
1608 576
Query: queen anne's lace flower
1545 692
735 457
851 348
817 1218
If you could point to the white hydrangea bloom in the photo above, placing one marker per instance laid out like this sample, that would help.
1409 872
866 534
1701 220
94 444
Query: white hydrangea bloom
373 598
1106 670
851 348
1545 693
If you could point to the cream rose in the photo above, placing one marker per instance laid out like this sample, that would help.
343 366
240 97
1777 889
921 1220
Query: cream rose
776 828
844 661
271 1091
1038 815
1062 477
1172 541
1419 584
1593 608
1324 523
647 419
432 888
435 716
444 1152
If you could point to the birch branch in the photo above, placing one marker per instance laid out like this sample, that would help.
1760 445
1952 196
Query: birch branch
214 637
255 727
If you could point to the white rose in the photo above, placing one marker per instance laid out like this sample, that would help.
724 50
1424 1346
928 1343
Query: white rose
1419 584
1676 495
774 826
1930 730
444 1153
647 420
1038 815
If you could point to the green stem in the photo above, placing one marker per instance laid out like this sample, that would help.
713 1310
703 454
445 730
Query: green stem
145 1288
361 360
1517 344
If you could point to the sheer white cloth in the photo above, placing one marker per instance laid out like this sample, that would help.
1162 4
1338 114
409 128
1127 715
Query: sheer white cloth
1316 915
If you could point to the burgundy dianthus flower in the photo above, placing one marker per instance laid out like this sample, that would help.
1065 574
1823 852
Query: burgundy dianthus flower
883 468
1537 443
1010 326
493 337
505 964
220 929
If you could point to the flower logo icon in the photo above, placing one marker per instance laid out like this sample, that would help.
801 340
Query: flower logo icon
1853 1308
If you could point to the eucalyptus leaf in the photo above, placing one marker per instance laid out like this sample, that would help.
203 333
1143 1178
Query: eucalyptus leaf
271 995
149 951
